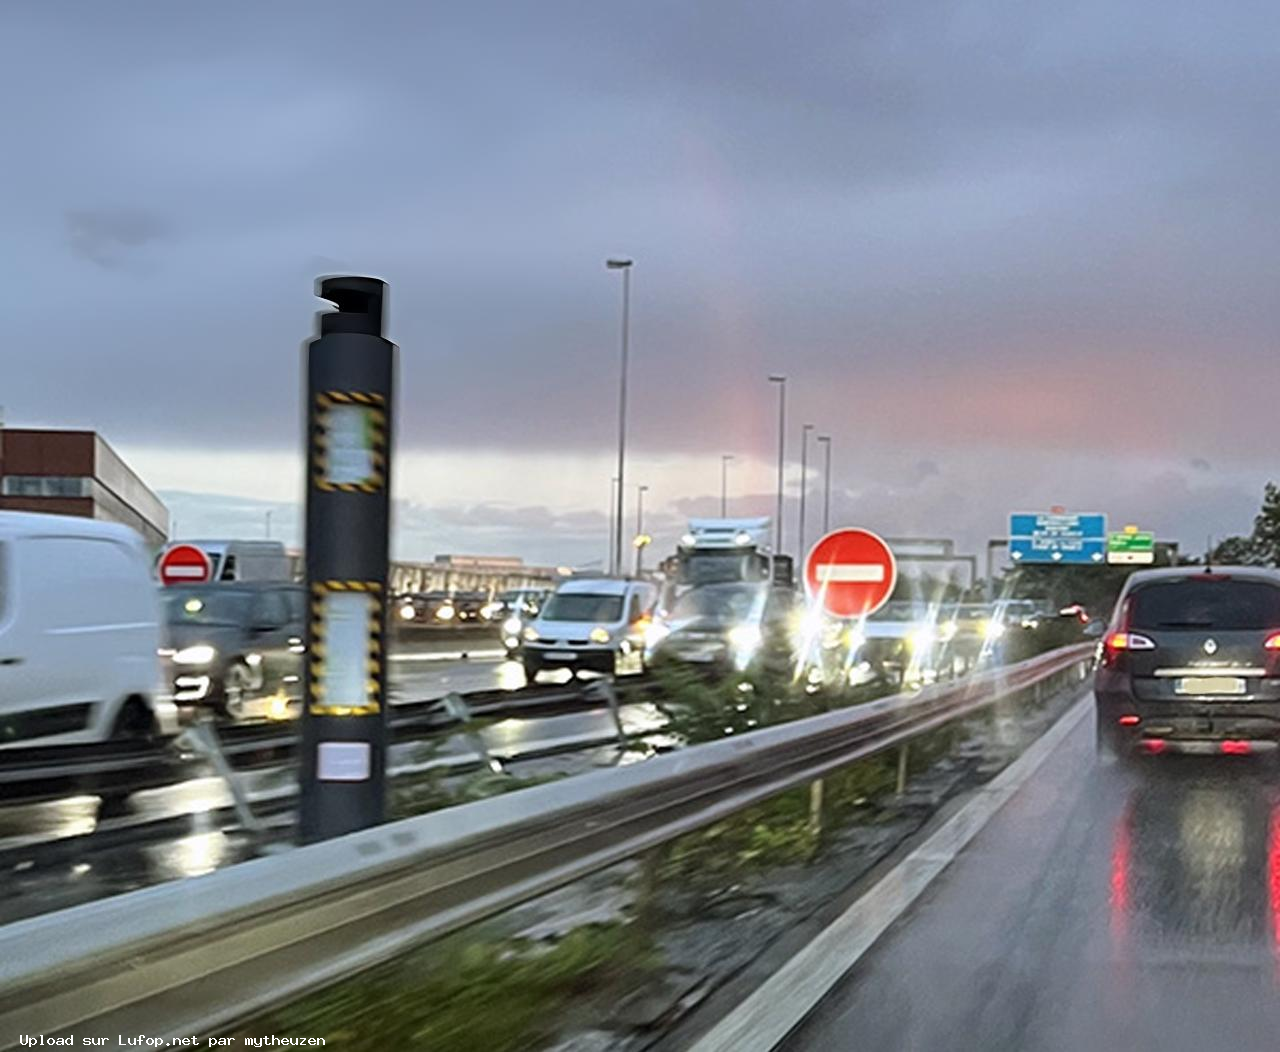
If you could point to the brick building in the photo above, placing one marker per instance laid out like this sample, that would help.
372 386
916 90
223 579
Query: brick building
76 473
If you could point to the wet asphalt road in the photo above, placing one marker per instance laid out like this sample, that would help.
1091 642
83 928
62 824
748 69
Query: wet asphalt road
1101 909
418 677
36 880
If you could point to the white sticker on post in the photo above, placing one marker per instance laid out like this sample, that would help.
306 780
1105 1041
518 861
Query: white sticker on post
343 761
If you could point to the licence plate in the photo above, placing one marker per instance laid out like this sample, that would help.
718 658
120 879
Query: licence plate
562 655
1210 685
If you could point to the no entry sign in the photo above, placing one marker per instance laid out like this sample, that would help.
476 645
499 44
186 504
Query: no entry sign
185 564
850 572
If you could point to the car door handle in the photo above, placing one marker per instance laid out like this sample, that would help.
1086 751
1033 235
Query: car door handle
11 661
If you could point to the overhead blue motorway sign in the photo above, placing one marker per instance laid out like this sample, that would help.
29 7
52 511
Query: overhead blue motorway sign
1057 538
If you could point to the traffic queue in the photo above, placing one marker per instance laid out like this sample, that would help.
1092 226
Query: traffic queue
99 641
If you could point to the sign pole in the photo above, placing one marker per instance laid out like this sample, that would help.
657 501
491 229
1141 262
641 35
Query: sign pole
350 385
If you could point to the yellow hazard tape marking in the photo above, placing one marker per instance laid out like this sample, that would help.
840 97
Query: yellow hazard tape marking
320 590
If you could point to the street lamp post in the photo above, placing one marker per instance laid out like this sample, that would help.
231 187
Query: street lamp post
623 265
613 511
804 480
826 486
725 459
640 492
781 381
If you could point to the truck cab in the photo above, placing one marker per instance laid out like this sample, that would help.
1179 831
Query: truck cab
729 551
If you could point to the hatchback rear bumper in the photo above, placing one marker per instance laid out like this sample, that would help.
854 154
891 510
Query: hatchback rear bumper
1182 724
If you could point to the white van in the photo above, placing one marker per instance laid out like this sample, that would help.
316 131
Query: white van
79 633
595 624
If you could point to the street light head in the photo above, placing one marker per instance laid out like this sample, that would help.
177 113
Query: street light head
777 379
824 438
810 427
618 264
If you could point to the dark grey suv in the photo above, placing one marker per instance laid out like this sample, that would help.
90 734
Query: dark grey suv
1191 663
236 646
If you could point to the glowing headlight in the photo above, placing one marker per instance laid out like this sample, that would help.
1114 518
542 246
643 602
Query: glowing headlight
531 633
688 540
948 632
744 637
490 610
742 537
598 635
445 613
407 612
511 626
921 638
654 633
993 629
201 654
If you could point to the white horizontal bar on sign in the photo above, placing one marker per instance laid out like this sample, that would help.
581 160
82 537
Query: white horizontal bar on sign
850 573
185 571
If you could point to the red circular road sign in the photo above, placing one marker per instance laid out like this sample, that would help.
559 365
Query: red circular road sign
185 564
850 572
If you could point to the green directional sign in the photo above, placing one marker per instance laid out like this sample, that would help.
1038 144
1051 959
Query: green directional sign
1131 546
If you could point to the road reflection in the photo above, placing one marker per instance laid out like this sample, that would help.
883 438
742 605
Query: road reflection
1195 863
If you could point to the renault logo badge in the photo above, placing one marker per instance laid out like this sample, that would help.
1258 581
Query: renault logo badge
1210 646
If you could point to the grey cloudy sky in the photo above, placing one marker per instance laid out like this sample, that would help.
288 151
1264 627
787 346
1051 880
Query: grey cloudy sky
1030 246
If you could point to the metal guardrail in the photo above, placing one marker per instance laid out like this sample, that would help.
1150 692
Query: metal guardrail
195 956
119 768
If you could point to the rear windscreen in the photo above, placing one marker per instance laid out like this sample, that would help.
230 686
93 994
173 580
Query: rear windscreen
1223 605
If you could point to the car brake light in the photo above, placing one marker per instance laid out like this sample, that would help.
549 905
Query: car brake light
1130 641
1129 721
1272 642
1236 748
1154 745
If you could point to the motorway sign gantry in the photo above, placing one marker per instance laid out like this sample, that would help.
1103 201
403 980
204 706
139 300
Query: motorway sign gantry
850 572
185 564
1131 546
1057 537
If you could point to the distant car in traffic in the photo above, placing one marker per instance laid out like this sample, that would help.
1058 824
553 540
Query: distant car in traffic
1190 662
471 607
79 632
425 608
590 624
514 610
236 647
731 626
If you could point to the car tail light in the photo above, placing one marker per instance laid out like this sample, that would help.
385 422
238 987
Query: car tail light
1272 642
1129 641
1129 721
1236 748
1154 745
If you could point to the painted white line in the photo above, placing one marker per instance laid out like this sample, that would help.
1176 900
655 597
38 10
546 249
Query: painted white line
765 1018
450 655
858 573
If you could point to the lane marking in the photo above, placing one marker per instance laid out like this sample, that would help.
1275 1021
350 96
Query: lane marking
777 1007
853 573
452 655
